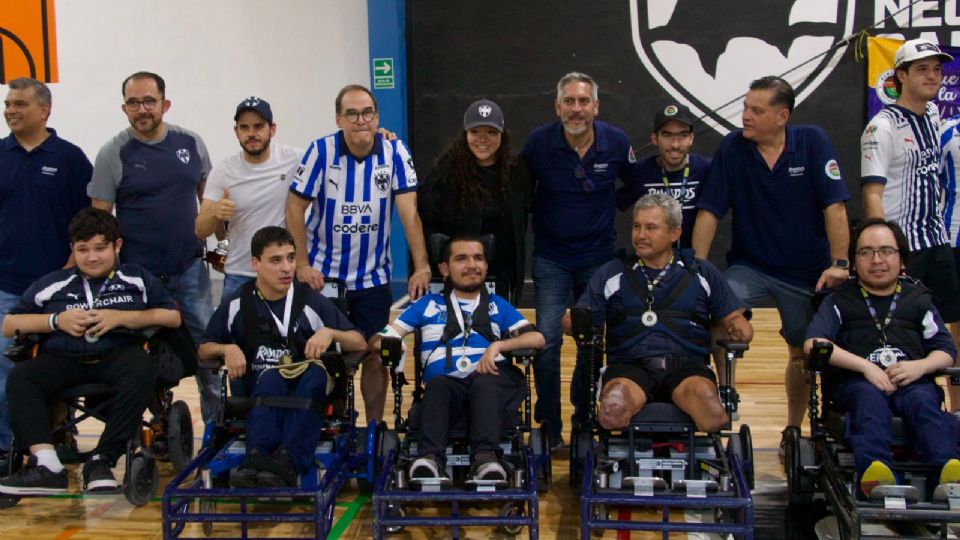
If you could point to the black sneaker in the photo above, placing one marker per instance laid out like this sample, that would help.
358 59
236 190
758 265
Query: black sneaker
556 443
97 475
486 466
34 480
278 471
245 476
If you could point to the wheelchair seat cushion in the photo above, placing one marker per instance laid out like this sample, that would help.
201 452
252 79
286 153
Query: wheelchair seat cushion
661 413
837 424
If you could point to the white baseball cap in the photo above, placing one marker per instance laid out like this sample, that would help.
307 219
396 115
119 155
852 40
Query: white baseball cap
915 49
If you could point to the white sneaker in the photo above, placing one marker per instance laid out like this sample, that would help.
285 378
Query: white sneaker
424 467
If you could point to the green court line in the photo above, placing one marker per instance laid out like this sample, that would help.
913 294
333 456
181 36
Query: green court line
352 509
75 496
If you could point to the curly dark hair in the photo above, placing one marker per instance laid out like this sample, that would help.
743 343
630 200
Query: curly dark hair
465 176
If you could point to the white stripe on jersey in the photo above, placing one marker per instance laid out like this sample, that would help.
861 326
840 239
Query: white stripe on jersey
47 292
135 281
950 146
348 229
905 149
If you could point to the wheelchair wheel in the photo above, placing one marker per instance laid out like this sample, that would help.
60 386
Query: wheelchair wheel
394 511
798 452
539 441
141 482
208 506
581 442
741 445
511 510
384 441
179 435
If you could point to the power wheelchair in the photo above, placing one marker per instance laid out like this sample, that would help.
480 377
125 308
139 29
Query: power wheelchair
660 460
201 493
525 454
821 465
167 436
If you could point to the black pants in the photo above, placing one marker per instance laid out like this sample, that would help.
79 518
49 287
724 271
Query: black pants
129 370
484 399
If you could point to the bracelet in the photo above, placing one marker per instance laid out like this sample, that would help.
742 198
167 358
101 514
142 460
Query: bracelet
53 322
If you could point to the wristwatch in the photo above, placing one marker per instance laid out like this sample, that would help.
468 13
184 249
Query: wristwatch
842 264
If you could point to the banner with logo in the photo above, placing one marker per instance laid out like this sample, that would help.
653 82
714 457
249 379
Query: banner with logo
881 90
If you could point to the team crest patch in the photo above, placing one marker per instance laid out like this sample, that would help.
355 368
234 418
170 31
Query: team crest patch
709 66
381 179
485 110
183 155
832 169
671 110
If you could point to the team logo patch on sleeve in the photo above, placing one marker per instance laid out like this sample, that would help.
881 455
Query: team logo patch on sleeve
832 169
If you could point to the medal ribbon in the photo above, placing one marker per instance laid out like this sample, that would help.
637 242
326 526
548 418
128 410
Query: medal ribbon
283 325
652 284
89 292
467 325
873 311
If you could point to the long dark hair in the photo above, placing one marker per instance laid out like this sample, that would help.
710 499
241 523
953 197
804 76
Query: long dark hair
462 173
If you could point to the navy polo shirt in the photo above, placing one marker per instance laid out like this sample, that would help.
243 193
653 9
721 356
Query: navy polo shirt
682 185
128 288
40 191
778 224
573 216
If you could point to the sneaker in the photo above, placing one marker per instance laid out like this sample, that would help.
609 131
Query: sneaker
277 471
486 466
950 473
5 456
556 443
877 474
424 468
34 480
245 476
97 474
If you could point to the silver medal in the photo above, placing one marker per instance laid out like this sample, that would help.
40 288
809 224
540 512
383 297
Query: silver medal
91 338
649 318
463 364
887 357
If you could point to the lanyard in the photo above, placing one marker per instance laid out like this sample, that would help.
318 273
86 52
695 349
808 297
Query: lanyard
283 325
683 182
467 325
89 293
652 284
873 312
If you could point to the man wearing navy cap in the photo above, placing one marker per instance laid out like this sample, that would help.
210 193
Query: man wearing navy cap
247 189
673 170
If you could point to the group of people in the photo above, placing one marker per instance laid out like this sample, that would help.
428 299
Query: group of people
295 218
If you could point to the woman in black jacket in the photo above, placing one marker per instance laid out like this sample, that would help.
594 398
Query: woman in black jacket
478 186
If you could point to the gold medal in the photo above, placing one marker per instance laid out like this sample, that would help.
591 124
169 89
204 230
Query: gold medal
286 360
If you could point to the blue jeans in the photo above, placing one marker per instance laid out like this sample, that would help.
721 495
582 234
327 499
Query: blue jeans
232 283
932 432
191 290
553 283
296 430
7 302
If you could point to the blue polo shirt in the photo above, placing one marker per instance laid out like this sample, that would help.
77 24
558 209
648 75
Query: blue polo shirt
778 224
40 191
575 200
682 185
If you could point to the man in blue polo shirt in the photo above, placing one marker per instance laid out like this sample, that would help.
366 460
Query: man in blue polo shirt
790 233
154 173
43 183
576 162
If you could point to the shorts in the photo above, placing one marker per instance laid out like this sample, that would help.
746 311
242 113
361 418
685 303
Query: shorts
794 303
658 384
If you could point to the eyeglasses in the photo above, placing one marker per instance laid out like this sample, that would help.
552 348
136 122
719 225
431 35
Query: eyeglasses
581 175
149 104
885 252
353 116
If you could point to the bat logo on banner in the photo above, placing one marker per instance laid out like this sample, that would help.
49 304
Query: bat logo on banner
706 64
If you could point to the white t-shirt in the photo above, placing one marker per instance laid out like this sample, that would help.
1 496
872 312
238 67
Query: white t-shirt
260 192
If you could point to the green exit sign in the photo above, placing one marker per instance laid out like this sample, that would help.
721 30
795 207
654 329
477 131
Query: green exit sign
383 73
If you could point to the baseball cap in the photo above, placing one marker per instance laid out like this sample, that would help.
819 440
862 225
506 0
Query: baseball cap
483 113
253 103
915 49
673 111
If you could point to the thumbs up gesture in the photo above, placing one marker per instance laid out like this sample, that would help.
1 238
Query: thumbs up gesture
225 206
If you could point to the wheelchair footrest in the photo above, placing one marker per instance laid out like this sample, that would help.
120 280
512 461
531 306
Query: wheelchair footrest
696 488
487 486
895 497
644 486
431 485
949 493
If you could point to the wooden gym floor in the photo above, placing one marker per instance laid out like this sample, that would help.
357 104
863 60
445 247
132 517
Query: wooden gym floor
763 407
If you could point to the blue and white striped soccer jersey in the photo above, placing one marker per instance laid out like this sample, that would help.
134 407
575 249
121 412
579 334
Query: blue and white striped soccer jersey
429 314
348 229
949 165
902 151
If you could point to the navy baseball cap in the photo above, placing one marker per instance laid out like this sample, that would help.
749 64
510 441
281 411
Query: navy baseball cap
253 103
673 111
483 113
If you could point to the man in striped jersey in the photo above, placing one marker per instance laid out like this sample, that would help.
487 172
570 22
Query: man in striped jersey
900 164
463 333
353 179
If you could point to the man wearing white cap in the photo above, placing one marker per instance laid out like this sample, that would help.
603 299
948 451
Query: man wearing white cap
899 164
